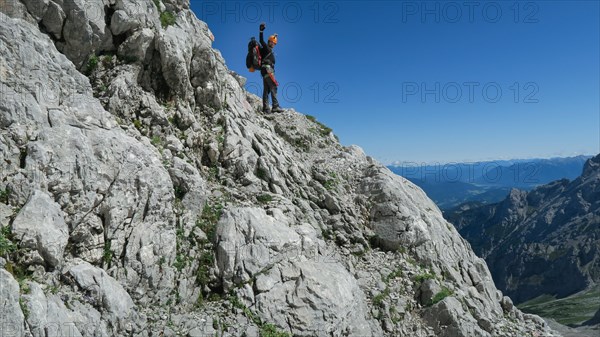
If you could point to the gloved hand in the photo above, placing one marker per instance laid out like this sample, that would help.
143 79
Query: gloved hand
263 26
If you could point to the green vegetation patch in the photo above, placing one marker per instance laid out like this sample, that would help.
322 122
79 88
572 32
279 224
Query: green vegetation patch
445 292
332 182
324 130
167 19
572 310
422 277
393 275
211 213
378 299
264 198
107 255
4 194
92 64
6 244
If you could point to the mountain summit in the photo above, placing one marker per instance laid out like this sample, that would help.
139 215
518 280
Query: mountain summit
143 194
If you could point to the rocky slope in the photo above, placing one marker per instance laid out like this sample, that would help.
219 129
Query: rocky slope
546 241
148 197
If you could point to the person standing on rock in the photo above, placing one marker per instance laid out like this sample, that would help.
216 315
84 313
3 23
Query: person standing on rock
268 71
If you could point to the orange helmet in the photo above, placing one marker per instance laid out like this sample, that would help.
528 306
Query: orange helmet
273 38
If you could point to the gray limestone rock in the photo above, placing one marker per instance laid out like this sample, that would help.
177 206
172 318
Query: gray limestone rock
40 226
95 175
139 46
10 310
6 213
450 319
16 9
37 8
297 287
175 193
53 20
428 290
121 23
85 31
104 291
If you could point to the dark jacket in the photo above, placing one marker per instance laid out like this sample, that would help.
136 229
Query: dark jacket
266 52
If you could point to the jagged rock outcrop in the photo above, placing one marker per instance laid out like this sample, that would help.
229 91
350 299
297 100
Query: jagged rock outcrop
546 241
187 212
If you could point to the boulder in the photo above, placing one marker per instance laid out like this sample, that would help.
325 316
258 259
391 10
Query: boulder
40 226
105 291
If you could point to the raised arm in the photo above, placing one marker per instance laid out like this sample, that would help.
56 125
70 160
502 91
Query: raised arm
262 39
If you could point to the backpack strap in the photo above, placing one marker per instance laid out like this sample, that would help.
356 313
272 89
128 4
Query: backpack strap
269 54
259 56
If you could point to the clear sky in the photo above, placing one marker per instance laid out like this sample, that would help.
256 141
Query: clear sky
432 81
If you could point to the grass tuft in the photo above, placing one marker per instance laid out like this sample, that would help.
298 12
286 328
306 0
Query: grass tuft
264 198
445 292
167 19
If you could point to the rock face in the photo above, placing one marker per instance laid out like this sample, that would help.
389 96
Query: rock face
40 227
151 198
295 286
546 241
106 290
12 316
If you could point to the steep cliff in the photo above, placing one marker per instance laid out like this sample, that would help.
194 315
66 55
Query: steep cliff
144 194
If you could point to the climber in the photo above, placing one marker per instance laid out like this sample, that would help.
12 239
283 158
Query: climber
267 71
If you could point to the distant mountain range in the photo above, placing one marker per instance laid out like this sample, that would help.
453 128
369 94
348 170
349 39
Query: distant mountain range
545 242
451 185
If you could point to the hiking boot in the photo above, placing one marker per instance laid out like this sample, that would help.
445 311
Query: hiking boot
266 110
277 109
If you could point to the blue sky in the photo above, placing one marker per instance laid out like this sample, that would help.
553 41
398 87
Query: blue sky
433 81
